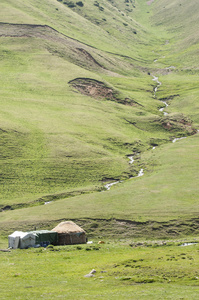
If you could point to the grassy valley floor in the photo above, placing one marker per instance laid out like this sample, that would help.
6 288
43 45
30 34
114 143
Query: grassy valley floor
123 271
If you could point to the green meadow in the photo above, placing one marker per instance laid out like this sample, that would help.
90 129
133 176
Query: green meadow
124 271
77 102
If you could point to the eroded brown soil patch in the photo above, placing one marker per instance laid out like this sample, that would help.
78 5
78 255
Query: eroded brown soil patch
99 90
93 88
178 123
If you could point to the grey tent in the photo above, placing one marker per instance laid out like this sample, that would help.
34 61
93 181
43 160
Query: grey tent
19 239
24 240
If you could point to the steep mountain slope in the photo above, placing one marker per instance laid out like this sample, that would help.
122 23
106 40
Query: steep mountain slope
180 19
78 99
81 23
49 132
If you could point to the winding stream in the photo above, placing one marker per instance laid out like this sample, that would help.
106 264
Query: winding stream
131 158
177 139
162 109
158 84
155 91
165 103
140 173
109 185
188 244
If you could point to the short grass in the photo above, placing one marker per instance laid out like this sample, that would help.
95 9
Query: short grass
60 146
84 22
184 85
168 190
56 142
122 272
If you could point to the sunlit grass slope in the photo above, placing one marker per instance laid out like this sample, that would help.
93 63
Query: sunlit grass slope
56 141
168 190
116 30
180 19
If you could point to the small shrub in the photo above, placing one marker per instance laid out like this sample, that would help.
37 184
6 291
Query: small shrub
126 278
145 280
94 225
80 3
50 247
69 4
39 250
96 3
79 248
96 248
88 249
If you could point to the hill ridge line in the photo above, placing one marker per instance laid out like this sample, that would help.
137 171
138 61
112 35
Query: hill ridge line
64 35
43 26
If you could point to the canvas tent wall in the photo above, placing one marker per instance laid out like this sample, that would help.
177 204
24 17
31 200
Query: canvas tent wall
24 240
19 239
69 233
13 239
27 239
45 237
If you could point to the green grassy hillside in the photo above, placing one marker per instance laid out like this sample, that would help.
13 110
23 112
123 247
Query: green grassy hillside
77 99
95 93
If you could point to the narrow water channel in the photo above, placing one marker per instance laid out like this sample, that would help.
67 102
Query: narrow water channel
165 103
131 158
155 91
140 173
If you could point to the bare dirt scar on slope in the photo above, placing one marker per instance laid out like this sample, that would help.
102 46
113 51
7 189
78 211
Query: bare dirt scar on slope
99 90
93 88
